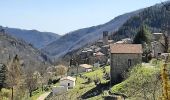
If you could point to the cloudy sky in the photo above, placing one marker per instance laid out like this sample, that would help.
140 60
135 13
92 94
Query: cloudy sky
62 16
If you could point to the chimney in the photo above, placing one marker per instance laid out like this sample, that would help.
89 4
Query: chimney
105 37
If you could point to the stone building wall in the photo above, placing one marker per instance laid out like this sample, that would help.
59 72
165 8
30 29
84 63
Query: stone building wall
121 63
157 49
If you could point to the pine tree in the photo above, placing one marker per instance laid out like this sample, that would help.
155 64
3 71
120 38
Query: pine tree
2 75
143 36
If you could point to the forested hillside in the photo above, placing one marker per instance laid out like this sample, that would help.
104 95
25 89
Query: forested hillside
157 18
36 38
30 57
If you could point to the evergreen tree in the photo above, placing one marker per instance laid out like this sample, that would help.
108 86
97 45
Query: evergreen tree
2 75
142 36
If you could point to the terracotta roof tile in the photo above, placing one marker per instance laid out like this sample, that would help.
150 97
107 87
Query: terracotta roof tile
99 54
126 48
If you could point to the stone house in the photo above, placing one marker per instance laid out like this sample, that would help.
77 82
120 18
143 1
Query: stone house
105 40
157 45
123 56
157 49
82 68
101 58
68 81
85 68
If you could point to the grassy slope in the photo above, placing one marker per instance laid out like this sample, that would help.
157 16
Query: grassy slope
37 93
145 73
142 79
81 88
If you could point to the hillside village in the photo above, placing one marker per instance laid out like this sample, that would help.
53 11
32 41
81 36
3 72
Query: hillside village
118 56
124 59
96 69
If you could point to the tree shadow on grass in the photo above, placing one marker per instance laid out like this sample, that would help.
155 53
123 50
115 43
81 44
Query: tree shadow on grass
96 90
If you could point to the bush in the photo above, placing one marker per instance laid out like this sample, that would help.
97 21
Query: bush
46 88
81 87
89 80
5 93
142 83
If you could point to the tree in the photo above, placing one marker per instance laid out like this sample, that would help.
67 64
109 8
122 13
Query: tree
2 75
60 70
43 77
166 42
14 74
142 36
31 82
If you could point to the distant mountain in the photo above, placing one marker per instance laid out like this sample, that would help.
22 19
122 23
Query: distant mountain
31 57
36 38
79 38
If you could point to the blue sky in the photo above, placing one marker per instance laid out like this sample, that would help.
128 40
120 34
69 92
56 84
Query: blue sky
62 16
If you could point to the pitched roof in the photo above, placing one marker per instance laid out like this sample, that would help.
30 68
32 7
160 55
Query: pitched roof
126 48
86 66
99 54
68 78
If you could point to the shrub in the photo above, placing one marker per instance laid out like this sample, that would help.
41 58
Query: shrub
142 83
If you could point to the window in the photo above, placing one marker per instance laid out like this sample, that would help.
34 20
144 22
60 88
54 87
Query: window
159 54
129 62
68 84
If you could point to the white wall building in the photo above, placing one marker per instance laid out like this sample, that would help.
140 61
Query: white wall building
68 81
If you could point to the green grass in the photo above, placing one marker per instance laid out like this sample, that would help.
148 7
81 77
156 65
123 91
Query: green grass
37 93
97 73
82 88
5 94
140 78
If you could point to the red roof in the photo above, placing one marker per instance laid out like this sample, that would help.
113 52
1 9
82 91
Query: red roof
126 48
99 54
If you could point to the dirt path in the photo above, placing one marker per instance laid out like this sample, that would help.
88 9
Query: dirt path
147 65
43 96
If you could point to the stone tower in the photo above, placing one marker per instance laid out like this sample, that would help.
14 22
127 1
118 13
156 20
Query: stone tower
105 37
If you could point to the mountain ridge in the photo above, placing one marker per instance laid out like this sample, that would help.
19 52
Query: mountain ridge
29 56
36 38
77 39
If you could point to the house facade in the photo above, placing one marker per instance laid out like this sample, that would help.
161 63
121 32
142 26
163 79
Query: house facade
82 68
157 45
123 56
68 81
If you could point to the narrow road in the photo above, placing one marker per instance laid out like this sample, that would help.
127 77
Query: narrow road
43 96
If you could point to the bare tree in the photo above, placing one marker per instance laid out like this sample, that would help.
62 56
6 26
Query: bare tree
31 82
165 43
14 74
60 70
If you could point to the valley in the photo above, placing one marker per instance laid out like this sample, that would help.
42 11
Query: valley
126 58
